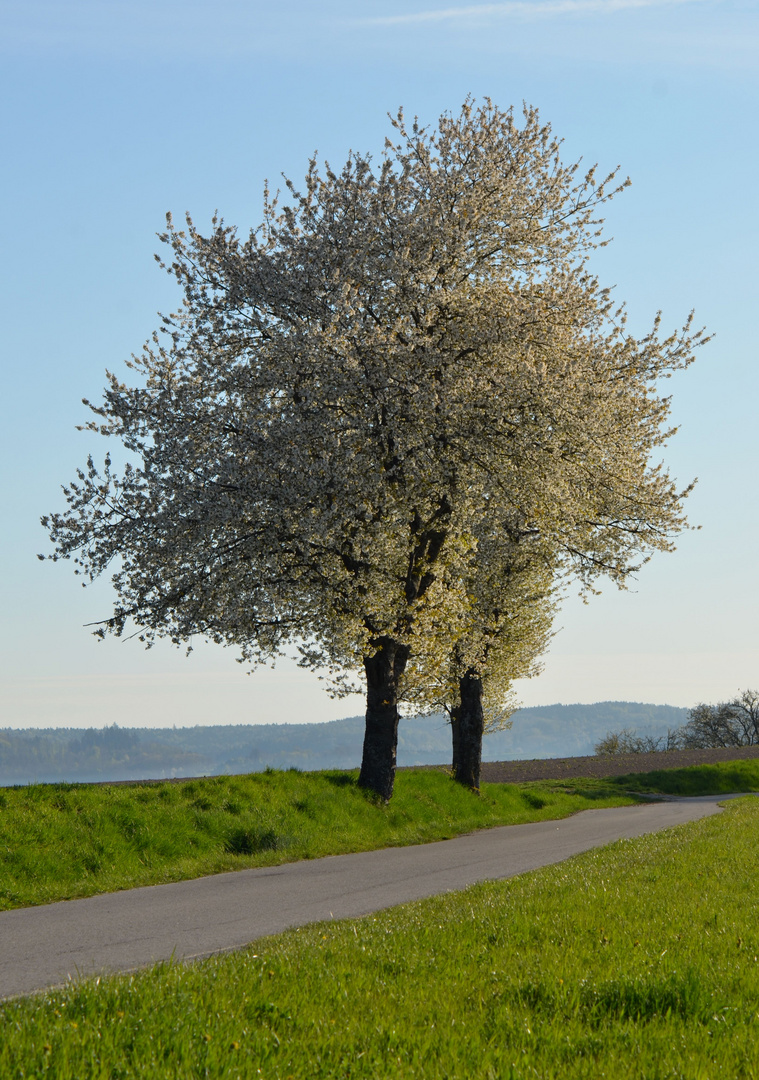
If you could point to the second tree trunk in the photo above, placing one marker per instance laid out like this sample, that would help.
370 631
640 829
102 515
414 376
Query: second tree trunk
467 729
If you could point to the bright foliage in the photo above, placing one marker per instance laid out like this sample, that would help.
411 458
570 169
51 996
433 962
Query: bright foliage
397 414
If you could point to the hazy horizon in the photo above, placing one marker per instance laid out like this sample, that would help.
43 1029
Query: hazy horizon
349 716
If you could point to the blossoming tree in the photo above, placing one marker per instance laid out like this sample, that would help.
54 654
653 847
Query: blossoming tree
383 423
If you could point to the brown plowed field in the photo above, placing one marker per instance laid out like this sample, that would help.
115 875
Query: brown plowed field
513 772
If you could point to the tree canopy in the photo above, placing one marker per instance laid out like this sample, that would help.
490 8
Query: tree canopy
384 420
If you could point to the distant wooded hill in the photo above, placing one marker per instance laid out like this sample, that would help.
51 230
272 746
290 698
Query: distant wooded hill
35 755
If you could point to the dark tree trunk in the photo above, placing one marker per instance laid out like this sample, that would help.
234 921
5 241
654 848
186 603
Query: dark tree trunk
467 727
383 674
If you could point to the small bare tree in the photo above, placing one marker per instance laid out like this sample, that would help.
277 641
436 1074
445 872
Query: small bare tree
731 723
627 741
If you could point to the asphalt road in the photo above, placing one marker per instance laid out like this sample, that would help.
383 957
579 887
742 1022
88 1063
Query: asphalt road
46 946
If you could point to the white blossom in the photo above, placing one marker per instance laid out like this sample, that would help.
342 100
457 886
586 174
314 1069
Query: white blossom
388 421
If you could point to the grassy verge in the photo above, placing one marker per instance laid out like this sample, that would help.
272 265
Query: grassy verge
639 961
59 841
720 779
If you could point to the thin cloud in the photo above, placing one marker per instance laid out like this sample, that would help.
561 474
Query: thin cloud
524 9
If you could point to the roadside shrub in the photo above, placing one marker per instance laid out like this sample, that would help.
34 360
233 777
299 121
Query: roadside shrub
251 841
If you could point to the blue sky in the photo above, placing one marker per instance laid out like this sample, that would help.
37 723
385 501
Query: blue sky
115 112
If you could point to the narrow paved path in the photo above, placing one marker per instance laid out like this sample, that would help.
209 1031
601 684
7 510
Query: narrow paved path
45 946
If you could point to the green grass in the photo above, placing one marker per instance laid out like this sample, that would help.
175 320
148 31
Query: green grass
59 841
639 960
721 779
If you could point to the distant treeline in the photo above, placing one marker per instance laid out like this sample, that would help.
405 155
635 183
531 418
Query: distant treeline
35 755
731 723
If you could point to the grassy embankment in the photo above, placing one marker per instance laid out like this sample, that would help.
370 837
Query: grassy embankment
640 960
62 841
721 779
